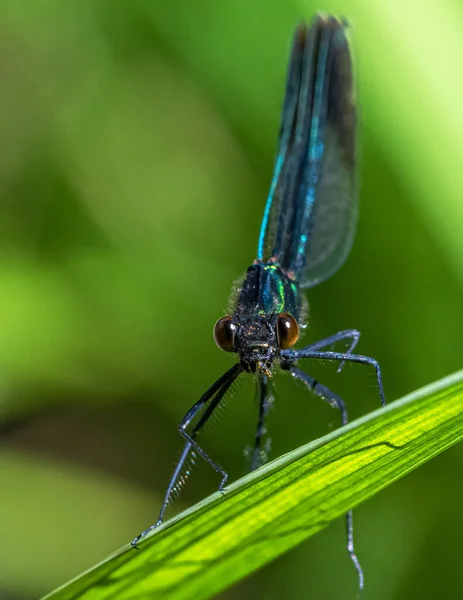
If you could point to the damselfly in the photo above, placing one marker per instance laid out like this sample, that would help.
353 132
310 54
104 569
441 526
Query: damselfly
306 234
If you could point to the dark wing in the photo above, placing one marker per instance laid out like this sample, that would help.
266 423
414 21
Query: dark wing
276 215
311 214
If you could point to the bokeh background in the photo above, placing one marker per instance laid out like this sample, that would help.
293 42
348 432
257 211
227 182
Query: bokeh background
136 150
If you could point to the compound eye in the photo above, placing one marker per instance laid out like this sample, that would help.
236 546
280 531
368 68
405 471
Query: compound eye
287 331
224 334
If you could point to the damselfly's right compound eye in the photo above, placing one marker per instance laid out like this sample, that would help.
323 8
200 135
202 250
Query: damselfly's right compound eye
224 334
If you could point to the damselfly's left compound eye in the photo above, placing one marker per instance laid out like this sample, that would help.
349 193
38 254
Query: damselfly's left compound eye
224 334
287 331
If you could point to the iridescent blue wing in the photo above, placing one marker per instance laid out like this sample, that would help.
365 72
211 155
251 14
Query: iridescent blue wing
329 223
276 215
312 207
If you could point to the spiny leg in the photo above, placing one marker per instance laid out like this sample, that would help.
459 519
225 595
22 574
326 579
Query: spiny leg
293 355
351 334
335 401
256 459
320 390
191 438
217 391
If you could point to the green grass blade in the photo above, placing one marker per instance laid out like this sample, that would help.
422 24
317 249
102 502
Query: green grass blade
223 539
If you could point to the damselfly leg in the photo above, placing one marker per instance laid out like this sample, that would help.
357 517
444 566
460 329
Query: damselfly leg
210 399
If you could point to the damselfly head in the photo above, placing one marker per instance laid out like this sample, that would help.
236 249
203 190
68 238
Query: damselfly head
257 340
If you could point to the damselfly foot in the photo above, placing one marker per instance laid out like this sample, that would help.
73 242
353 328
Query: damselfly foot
135 541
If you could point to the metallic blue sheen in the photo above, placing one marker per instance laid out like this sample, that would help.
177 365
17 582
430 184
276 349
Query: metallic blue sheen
267 290
311 212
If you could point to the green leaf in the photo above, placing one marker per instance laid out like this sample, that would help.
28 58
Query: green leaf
222 539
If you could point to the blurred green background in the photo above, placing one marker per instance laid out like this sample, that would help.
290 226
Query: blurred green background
137 143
